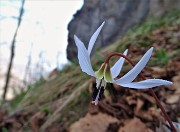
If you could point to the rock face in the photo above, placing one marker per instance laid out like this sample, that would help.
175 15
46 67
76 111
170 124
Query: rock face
119 16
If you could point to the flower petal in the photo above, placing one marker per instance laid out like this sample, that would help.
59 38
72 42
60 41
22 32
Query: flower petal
83 56
116 69
93 38
149 83
100 73
132 74
107 74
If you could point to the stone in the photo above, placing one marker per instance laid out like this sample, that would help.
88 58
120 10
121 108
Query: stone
119 15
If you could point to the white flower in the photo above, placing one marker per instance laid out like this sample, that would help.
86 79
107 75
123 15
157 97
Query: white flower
106 74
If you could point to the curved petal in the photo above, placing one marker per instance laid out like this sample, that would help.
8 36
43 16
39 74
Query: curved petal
149 83
132 74
83 56
93 38
116 69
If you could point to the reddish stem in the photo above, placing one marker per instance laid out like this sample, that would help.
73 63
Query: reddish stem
150 89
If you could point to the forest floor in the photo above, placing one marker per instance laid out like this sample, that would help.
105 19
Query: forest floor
63 102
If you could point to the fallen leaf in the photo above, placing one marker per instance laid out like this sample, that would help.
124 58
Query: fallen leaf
93 123
130 100
107 96
36 121
156 114
158 72
174 66
176 83
133 125
148 97
139 105
171 99
144 115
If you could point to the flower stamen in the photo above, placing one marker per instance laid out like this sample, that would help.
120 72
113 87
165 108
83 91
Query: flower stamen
97 95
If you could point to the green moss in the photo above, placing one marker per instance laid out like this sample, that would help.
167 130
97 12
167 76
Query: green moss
46 110
162 57
173 17
4 129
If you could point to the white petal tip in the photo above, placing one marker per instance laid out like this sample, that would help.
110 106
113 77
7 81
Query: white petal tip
169 83
164 82
102 24
94 37
125 52
151 49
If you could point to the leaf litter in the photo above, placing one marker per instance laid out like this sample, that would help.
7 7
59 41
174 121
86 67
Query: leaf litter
121 110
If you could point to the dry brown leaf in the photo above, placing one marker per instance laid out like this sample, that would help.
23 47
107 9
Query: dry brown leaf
117 87
176 83
55 128
171 99
158 32
144 115
121 106
93 123
148 97
92 109
36 121
158 72
174 66
156 114
139 105
130 100
107 96
133 125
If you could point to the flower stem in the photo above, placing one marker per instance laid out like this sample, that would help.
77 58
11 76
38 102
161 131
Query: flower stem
150 89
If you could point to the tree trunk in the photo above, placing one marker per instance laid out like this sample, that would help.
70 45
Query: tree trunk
8 76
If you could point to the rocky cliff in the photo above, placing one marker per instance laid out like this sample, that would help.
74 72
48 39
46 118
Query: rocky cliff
119 15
